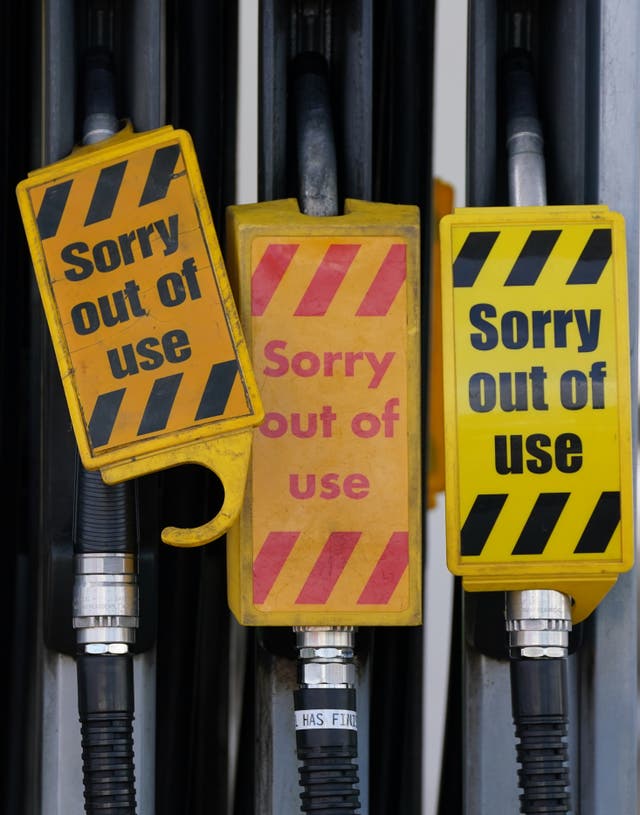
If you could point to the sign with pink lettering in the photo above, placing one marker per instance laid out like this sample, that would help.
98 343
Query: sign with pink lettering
332 332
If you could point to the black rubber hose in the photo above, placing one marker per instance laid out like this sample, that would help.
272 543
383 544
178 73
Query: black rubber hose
99 89
105 518
520 92
327 744
105 705
539 699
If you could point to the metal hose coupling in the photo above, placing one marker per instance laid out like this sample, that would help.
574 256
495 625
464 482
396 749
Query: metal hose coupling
538 622
325 656
326 719
105 617
105 602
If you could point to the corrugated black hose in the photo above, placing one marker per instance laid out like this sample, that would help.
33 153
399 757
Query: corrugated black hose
327 744
105 705
538 688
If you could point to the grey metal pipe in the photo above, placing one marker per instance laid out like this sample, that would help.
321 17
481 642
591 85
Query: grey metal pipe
316 154
526 167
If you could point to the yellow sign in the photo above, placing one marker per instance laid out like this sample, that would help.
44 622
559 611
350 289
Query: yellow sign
144 326
442 205
537 399
331 533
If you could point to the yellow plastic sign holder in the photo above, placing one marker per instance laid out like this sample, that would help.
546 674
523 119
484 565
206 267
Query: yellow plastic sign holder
148 341
443 196
539 486
330 533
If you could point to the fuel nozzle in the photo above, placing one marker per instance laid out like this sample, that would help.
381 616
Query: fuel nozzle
326 719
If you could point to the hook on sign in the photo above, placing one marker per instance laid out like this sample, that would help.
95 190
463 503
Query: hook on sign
226 456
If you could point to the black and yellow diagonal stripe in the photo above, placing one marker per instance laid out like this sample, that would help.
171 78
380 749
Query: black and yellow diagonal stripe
105 195
528 263
599 522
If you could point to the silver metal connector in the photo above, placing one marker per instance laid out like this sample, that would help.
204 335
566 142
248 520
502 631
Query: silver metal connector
98 127
525 149
105 602
325 656
538 622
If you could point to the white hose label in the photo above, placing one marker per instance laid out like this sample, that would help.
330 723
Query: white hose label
326 719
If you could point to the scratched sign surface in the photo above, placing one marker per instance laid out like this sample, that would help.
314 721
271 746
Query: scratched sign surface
132 280
333 342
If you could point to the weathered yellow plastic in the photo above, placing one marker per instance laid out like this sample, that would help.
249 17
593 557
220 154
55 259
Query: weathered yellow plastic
539 478
442 205
147 337
330 309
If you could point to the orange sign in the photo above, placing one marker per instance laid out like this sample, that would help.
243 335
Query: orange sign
442 205
332 528
148 341
132 279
